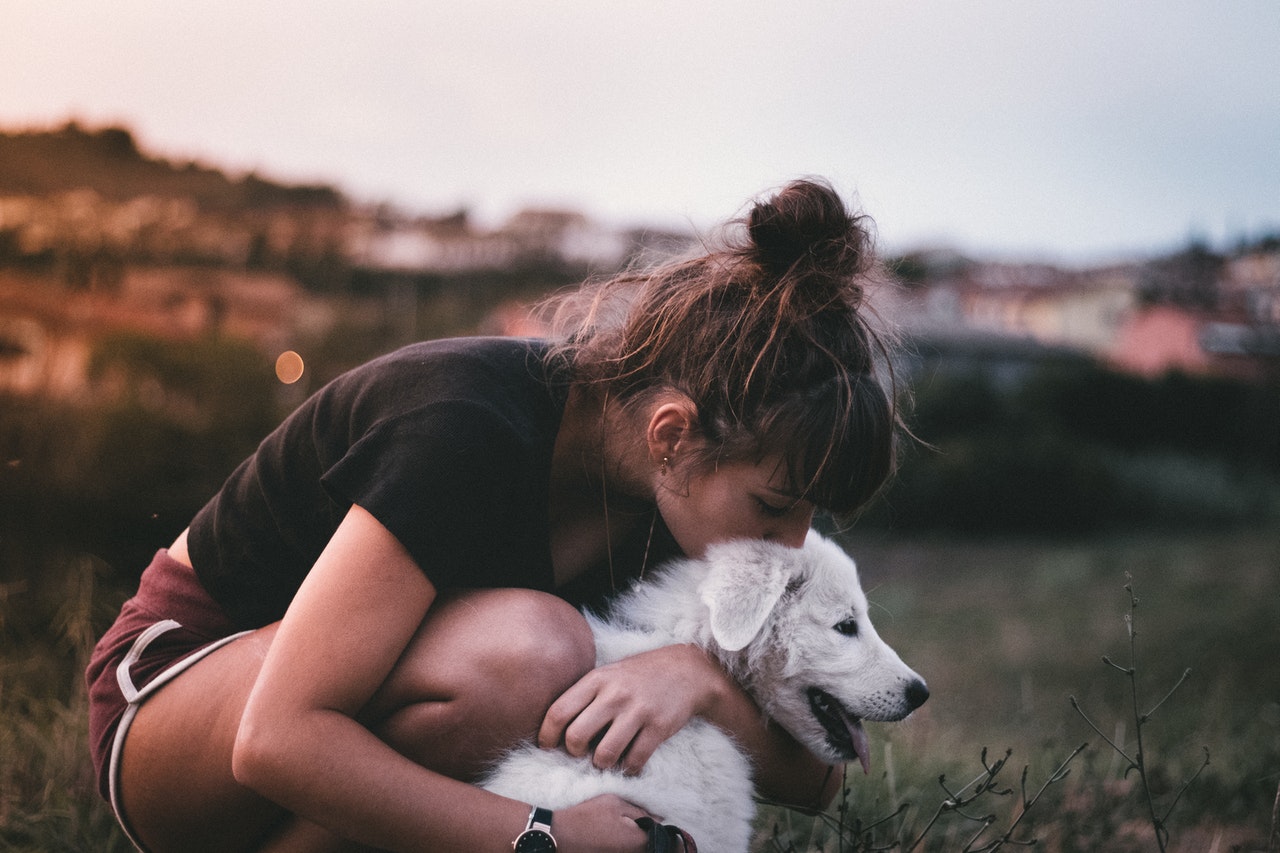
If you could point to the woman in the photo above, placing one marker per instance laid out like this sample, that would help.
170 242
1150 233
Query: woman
381 599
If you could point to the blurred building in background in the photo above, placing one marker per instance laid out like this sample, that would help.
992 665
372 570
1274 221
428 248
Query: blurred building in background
1194 312
97 237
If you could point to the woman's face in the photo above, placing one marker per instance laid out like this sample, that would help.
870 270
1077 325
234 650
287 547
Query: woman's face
734 500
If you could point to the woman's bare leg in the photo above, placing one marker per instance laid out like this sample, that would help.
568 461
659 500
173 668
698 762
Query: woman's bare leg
479 675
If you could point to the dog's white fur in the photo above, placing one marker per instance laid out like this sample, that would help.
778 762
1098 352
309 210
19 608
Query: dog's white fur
769 615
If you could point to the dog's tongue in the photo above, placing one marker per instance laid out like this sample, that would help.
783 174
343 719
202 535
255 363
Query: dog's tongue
861 744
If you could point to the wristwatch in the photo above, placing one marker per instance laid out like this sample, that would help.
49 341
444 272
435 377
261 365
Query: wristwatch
536 837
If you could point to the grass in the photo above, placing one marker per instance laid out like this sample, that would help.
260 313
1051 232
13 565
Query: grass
48 622
1005 633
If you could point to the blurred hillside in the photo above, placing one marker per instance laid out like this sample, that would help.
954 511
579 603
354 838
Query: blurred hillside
143 304
80 204
108 160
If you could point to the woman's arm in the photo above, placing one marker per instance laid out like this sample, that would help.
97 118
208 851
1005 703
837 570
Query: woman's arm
635 704
299 743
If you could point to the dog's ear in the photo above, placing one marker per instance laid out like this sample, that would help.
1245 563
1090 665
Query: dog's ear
741 589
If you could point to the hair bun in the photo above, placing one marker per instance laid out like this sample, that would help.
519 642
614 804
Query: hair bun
807 222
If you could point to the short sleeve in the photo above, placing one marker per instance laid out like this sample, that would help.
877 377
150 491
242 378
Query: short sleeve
438 480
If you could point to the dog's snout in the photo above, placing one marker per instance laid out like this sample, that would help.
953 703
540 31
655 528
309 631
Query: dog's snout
917 693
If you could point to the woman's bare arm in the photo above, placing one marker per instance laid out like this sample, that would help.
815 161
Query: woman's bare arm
300 745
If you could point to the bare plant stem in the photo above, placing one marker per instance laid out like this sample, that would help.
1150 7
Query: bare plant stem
982 785
1159 823
1056 776
1273 845
1162 834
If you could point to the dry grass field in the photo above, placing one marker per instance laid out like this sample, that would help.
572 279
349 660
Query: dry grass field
1006 632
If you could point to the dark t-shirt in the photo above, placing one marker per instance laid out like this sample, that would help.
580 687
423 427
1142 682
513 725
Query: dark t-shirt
447 443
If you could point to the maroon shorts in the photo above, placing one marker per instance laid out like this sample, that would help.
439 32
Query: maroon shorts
168 625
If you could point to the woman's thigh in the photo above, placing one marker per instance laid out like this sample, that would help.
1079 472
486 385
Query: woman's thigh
477 677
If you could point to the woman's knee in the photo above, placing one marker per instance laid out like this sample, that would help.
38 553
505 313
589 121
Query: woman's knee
515 639
480 675
537 639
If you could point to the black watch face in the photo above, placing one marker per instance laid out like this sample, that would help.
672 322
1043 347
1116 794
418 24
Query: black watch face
535 841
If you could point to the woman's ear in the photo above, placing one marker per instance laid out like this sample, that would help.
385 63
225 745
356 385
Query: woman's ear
673 423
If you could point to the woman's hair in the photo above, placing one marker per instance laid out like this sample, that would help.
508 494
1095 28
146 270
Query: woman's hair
766 334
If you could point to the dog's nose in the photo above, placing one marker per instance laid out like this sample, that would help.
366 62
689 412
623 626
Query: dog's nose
917 693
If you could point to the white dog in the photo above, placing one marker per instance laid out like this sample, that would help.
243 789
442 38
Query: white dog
791 626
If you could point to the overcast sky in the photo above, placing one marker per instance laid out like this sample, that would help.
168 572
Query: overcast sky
1076 130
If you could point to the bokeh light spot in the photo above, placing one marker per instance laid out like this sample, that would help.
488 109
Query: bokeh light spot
289 367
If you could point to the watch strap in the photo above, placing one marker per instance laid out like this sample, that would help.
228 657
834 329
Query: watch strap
539 818
537 837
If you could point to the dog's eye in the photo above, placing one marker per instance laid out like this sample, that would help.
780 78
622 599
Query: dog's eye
849 627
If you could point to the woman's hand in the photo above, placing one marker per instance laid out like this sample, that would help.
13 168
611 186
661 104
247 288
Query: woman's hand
633 705
606 823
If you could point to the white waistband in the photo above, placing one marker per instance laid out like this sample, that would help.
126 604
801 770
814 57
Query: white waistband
136 697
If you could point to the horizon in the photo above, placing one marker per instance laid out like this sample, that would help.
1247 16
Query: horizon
1230 244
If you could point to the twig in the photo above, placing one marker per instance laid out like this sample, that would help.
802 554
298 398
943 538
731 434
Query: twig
1119 750
986 824
1172 690
1186 785
1138 761
1059 773
1273 845
1056 776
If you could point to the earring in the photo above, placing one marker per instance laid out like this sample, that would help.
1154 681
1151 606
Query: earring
663 468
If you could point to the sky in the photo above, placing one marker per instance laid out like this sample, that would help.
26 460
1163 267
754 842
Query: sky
1079 132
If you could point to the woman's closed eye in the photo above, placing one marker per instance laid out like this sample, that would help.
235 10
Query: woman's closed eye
773 510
